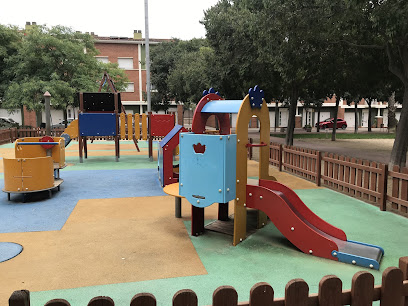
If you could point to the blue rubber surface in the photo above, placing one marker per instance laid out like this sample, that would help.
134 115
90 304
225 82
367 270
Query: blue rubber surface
42 214
8 250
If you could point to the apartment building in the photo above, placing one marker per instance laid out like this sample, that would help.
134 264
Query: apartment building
130 54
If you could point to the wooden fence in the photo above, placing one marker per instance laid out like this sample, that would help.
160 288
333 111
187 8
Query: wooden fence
399 189
359 178
10 135
369 181
302 162
393 291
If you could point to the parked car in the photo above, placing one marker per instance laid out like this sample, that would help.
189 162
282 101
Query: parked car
329 123
61 124
8 123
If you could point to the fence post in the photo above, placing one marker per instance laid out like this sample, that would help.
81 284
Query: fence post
261 294
296 293
101 301
143 299
61 302
330 291
362 289
225 296
318 167
382 186
391 288
185 297
20 298
403 265
280 157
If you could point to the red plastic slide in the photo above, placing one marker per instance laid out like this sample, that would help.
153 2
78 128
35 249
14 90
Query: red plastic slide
294 219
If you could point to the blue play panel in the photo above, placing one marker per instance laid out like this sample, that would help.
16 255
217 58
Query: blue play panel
97 124
42 214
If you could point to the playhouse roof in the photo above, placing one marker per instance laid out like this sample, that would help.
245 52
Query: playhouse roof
170 135
222 106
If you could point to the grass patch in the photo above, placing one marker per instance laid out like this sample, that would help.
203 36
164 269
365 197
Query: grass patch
324 135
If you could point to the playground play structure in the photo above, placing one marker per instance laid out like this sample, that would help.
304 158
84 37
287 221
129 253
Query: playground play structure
103 115
213 169
35 167
168 171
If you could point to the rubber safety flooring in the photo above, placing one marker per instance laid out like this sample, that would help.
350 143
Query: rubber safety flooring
112 231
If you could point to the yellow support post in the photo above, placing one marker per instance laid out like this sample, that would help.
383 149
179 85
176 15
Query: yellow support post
137 126
144 126
130 126
122 126
244 116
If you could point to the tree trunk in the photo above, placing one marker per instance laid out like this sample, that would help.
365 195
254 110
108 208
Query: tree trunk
355 118
318 118
369 115
399 149
22 116
291 122
38 115
392 121
336 109
276 115
64 112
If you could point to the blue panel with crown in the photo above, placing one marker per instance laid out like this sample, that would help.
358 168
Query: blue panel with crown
207 168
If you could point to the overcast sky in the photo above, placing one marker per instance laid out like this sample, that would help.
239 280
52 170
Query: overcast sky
167 18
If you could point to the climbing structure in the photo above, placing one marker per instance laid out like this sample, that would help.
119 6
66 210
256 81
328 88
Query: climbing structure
213 169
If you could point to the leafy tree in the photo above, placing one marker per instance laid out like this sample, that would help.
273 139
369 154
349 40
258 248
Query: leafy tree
57 60
233 29
191 75
277 43
10 39
180 71
379 25
163 58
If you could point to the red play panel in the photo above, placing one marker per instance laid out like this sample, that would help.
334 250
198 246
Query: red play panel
161 124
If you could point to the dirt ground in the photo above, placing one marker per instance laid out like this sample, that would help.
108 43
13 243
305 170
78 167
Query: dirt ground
378 150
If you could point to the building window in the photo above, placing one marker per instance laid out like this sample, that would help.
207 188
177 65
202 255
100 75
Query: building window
125 63
130 87
153 88
102 59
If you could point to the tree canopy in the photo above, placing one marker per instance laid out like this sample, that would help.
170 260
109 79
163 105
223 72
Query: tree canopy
57 60
383 26
10 39
180 71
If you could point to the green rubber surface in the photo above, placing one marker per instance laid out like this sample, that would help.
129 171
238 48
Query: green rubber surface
265 256
109 163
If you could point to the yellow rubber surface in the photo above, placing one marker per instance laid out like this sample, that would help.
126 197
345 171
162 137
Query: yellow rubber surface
105 241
